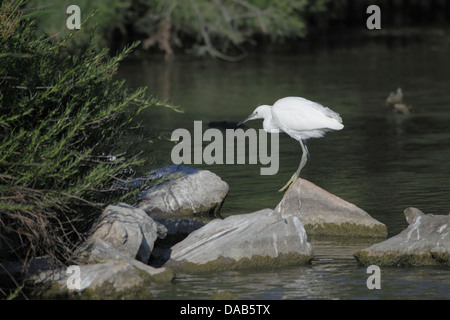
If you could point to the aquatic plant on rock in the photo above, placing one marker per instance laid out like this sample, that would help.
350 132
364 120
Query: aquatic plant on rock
324 214
426 241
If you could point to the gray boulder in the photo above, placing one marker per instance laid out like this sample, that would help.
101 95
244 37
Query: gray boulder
426 241
107 280
263 239
184 192
128 229
104 273
324 214
107 261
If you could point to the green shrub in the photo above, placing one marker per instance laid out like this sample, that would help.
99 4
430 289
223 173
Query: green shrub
62 122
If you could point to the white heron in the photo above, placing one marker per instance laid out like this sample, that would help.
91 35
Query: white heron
301 119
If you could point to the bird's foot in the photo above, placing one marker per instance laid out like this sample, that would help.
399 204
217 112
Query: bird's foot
289 183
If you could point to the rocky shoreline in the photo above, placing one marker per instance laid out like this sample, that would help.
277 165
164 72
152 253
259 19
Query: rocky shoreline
131 248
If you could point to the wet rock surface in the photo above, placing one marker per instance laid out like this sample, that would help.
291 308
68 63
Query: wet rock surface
426 241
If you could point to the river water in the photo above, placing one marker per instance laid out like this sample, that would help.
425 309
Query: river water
381 161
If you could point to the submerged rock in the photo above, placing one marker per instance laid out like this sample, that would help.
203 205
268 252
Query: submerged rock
426 241
262 239
324 214
185 192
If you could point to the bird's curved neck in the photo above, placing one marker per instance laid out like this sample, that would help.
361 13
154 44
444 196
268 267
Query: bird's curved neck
269 124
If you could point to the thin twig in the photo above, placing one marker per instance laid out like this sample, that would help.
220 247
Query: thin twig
28 88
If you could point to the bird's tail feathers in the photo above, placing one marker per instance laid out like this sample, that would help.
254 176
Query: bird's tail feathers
332 114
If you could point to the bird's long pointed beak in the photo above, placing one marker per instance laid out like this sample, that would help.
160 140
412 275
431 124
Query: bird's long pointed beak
250 117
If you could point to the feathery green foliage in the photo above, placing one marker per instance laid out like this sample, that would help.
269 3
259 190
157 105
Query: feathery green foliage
62 122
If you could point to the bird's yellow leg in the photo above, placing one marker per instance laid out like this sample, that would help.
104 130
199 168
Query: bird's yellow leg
290 182
297 173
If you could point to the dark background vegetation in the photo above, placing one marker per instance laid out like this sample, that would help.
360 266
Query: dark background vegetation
229 29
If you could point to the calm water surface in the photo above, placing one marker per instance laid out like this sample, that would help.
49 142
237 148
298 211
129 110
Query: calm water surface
381 161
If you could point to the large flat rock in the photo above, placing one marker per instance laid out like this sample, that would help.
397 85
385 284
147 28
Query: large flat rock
263 239
324 214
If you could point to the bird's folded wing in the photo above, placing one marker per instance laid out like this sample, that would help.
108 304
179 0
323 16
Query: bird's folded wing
305 115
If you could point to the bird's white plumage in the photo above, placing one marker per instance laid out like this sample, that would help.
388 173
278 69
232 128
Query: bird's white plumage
303 119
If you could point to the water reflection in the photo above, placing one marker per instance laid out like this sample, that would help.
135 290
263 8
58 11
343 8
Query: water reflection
332 279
